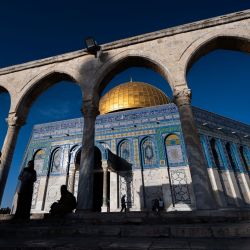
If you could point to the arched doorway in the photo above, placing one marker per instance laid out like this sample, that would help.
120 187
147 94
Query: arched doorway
52 98
215 71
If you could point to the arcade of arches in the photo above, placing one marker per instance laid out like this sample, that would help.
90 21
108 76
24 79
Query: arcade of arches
173 151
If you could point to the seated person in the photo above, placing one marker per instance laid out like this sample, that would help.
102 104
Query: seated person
66 204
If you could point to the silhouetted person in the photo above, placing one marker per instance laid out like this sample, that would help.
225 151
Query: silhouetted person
66 204
123 203
155 206
27 178
161 204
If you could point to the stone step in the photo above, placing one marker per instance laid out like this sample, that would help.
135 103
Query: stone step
127 231
109 243
218 230
144 217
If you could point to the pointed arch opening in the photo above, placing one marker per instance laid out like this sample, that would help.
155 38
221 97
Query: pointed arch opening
217 69
123 64
55 96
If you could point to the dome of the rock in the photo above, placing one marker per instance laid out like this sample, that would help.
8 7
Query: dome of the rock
131 95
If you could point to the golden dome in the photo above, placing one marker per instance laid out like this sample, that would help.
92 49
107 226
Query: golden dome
131 95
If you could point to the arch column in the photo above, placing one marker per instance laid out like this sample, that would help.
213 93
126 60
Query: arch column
85 186
14 125
200 180
105 186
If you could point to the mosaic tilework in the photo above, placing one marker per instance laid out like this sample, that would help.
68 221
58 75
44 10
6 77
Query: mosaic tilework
180 186
136 153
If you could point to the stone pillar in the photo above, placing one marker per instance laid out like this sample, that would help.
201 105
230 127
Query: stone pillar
71 178
85 187
105 186
14 125
200 180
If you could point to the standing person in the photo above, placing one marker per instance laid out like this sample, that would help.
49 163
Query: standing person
161 205
155 207
66 204
123 203
27 178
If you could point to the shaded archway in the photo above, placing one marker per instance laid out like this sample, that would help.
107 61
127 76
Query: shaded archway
53 97
217 66
102 78
216 69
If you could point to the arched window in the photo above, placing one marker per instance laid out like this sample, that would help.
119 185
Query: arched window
231 156
39 160
148 152
206 150
244 157
173 148
56 161
216 153
124 150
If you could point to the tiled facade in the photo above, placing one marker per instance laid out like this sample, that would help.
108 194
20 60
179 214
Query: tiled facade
151 140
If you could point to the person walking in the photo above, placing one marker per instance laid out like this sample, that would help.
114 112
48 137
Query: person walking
27 178
123 203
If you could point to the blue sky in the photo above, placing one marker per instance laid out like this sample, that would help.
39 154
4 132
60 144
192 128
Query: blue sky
37 29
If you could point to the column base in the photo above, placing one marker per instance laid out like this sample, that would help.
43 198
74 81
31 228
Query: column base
104 209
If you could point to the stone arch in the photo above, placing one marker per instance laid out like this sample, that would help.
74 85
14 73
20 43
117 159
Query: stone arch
128 59
39 157
102 150
39 85
77 155
174 149
230 40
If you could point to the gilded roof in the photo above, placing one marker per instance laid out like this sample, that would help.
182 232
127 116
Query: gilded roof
131 95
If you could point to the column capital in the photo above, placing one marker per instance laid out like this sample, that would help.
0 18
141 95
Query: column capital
15 121
182 96
89 109
105 165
